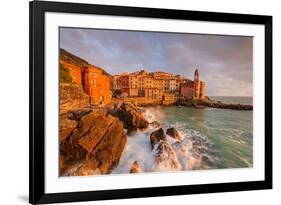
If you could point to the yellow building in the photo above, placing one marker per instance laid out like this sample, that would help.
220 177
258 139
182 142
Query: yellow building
169 99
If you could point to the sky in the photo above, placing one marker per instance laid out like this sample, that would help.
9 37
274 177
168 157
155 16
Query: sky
224 62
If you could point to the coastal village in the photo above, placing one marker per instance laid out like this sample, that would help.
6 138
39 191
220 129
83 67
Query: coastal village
140 88
99 111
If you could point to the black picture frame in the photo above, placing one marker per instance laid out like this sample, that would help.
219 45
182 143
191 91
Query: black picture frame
37 11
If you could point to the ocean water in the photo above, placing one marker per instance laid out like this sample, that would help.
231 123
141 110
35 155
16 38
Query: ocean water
211 138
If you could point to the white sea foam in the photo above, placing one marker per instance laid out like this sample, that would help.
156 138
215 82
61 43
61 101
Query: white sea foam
187 152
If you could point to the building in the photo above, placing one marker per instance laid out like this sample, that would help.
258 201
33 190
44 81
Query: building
93 80
202 90
172 85
198 91
196 86
133 81
158 86
133 92
186 90
96 84
169 99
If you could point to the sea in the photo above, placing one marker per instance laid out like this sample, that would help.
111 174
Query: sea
210 138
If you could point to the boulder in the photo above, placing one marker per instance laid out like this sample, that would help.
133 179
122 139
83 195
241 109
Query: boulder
157 136
78 114
154 124
66 127
131 116
165 158
135 168
173 133
94 147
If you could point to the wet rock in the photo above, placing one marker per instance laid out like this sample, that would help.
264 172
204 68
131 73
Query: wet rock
130 115
207 161
156 136
135 168
173 133
132 131
166 158
94 147
154 124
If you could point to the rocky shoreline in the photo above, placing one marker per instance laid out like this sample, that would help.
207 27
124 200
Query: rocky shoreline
200 104
93 139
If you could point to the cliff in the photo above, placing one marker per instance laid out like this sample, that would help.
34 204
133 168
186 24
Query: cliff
70 58
93 143
72 97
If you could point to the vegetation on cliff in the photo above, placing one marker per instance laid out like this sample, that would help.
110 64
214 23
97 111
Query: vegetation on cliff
75 60
64 75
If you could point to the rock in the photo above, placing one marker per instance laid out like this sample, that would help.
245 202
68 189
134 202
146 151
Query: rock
135 168
72 97
77 114
130 115
94 147
157 136
166 158
132 131
207 161
207 102
66 127
154 124
173 133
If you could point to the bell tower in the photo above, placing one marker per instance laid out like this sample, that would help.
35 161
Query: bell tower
196 75
196 85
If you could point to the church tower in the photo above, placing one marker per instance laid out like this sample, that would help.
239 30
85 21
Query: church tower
196 85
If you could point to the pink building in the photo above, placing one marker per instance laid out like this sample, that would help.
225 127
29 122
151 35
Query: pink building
186 90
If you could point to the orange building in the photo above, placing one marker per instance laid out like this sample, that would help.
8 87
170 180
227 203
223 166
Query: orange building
202 90
74 72
96 84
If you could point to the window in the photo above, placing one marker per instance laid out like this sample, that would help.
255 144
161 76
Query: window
93 83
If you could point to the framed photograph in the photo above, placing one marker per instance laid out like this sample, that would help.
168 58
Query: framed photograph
140 102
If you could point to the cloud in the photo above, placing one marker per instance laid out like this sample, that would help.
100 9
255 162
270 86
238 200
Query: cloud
224 62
